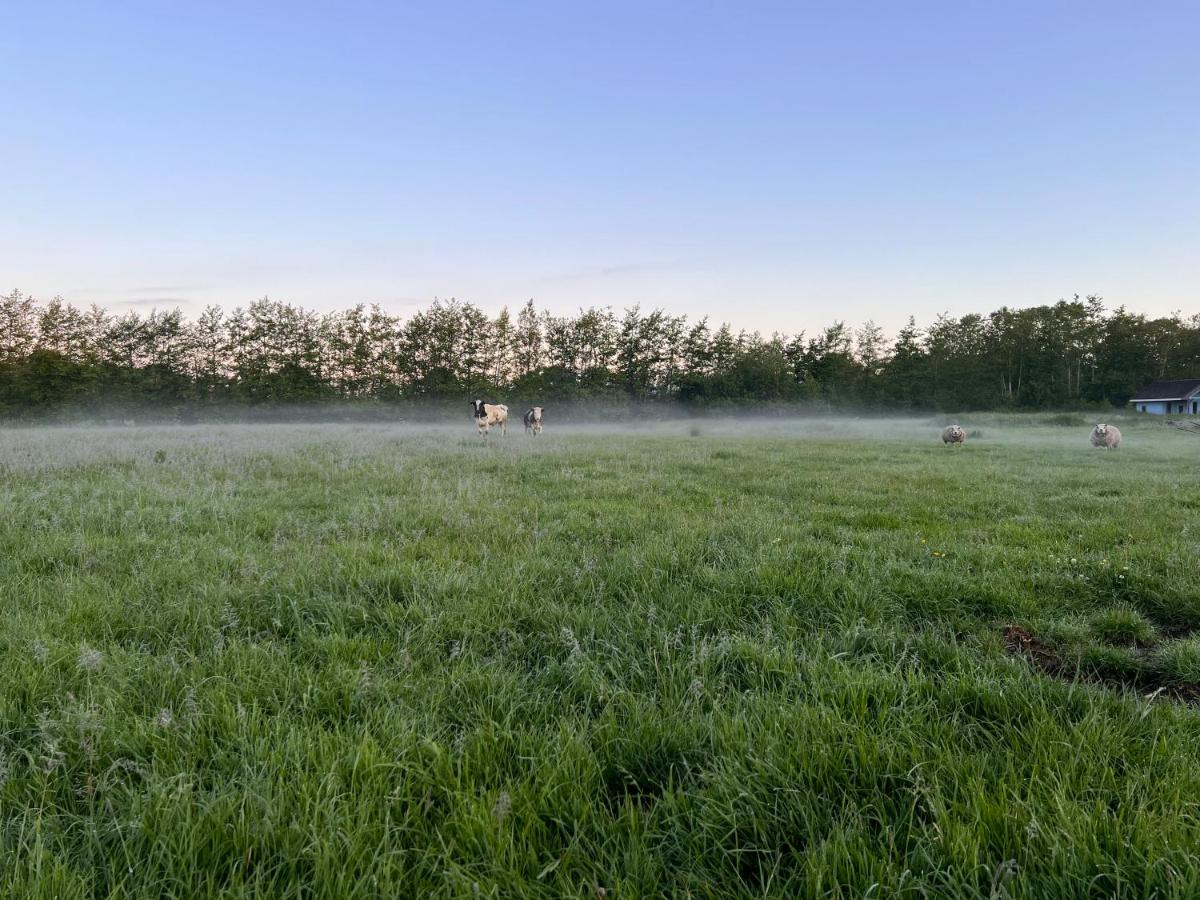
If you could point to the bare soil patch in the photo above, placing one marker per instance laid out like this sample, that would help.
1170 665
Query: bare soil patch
1020 641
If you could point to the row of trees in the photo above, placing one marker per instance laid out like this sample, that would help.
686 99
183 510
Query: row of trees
55 357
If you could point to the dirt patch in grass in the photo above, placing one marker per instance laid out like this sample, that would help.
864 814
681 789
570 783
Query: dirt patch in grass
1179 631
1020 641
1042 656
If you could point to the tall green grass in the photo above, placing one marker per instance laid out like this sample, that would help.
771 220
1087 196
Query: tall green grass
705 660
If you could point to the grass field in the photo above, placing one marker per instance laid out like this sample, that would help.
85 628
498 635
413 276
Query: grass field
693 660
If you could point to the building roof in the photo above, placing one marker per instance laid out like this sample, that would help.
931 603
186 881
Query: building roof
1168 390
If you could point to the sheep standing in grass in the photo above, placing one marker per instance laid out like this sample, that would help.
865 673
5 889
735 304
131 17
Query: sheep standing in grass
954 434
1106 436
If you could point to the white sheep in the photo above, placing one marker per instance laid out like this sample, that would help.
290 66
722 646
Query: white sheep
1106 436
954 434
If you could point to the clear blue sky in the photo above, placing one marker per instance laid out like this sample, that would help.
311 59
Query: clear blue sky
774 164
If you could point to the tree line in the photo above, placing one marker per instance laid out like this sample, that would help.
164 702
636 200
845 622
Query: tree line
56 358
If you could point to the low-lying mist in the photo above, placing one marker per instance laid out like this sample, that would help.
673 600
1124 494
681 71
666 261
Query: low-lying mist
48 447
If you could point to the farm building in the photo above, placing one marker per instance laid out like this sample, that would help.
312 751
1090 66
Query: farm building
1162 397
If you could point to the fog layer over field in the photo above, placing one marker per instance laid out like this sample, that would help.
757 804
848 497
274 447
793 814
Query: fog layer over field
52 447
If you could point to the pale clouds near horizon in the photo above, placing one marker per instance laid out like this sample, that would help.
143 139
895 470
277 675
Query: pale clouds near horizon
754 299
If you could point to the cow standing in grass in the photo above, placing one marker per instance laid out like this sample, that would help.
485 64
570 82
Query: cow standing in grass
489 414
533 420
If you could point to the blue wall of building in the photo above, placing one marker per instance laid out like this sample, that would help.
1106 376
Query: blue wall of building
1164 407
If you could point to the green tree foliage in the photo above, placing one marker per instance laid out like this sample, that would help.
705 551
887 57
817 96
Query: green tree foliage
55 357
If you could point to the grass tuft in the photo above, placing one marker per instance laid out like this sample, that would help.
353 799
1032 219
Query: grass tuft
1123 625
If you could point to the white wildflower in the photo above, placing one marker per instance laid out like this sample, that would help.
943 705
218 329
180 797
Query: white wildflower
502 807
190 705
52 755
90 659
568 638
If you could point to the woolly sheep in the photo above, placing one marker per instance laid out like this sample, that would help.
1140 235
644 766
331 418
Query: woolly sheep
1106 436
954 434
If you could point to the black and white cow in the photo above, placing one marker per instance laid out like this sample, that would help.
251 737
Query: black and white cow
533 420
489 414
